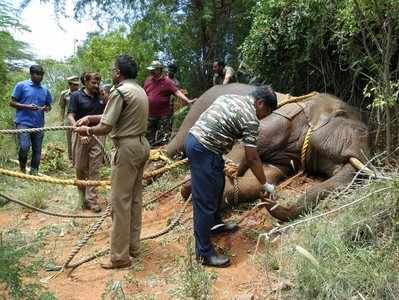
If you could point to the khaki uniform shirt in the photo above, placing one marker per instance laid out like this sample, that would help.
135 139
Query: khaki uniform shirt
227 72
127 115
65 98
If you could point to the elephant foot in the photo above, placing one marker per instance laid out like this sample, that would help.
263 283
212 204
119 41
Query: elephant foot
282 213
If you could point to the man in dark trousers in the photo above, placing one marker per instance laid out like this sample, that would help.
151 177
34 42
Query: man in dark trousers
229 118
31 100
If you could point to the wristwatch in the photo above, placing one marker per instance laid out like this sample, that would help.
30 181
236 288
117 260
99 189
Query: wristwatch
268 187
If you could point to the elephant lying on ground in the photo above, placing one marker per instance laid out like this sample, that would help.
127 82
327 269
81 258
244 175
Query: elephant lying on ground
337 143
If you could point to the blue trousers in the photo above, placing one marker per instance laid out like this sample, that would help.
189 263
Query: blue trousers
25 141
207 185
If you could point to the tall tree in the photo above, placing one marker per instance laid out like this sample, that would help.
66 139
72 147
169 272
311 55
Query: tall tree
192 33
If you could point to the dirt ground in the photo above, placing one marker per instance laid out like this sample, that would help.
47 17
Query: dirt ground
155 273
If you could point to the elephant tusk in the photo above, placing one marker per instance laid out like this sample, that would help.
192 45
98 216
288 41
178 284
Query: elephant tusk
358 165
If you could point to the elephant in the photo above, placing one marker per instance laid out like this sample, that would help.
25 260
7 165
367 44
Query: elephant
337 142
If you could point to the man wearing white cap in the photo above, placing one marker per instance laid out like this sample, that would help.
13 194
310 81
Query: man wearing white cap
159 88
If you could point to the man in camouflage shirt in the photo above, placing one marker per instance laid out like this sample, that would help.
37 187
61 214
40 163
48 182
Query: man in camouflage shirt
229 118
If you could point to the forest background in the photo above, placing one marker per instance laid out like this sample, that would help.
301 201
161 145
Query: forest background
348 48
344 47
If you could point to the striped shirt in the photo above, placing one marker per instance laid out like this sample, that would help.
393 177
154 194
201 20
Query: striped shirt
229 118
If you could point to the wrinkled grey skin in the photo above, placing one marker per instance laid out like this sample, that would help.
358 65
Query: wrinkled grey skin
339 135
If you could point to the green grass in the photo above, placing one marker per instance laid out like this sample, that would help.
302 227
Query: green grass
17 263
194 281
352 254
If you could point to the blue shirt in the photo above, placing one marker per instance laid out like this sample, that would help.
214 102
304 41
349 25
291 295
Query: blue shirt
25 92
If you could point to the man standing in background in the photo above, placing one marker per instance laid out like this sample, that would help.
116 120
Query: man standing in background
31 100
222 74
159 88
65 97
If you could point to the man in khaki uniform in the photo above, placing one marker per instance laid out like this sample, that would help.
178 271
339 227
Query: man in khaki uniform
125 119
65 96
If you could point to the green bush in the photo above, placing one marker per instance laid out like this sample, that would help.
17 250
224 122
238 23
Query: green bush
18 266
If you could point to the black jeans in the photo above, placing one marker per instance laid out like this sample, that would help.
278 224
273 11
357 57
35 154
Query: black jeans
159 130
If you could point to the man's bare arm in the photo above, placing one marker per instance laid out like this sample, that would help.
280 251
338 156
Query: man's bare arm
255 164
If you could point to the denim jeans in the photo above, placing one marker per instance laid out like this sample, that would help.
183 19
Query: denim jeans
207 185
25 141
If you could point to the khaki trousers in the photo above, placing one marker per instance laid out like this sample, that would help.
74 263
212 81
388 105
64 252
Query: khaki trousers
68 139
129 157
87 159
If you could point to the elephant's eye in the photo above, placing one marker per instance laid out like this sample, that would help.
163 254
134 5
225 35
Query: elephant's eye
340 113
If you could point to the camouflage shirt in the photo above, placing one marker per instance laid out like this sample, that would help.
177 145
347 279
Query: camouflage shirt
229 118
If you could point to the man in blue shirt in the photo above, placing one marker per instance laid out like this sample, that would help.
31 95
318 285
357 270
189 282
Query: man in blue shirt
31 100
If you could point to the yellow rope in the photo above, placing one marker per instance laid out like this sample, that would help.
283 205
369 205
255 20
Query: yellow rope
54 180
306 146
78 182
297 99
159 154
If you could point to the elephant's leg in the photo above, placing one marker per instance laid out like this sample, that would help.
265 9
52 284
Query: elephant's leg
312 196
249 187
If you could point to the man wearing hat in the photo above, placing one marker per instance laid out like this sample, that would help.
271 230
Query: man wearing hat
159 88
31 100
65 97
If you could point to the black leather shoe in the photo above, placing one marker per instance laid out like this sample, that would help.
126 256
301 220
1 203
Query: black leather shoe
216 260
228 227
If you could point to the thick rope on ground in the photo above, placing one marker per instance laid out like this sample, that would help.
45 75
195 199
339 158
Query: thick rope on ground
54 214
145 204
106 251
78 182
53 180
88 235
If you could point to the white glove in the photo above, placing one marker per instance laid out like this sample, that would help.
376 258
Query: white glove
268 188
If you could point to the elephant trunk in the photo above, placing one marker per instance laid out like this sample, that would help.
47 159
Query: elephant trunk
312 196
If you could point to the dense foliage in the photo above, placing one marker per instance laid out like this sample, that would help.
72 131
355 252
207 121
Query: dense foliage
334 46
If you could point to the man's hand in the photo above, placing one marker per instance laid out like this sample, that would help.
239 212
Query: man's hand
46 108
268 198
85 121
84 140
33 107
81 130
192 101
231 170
